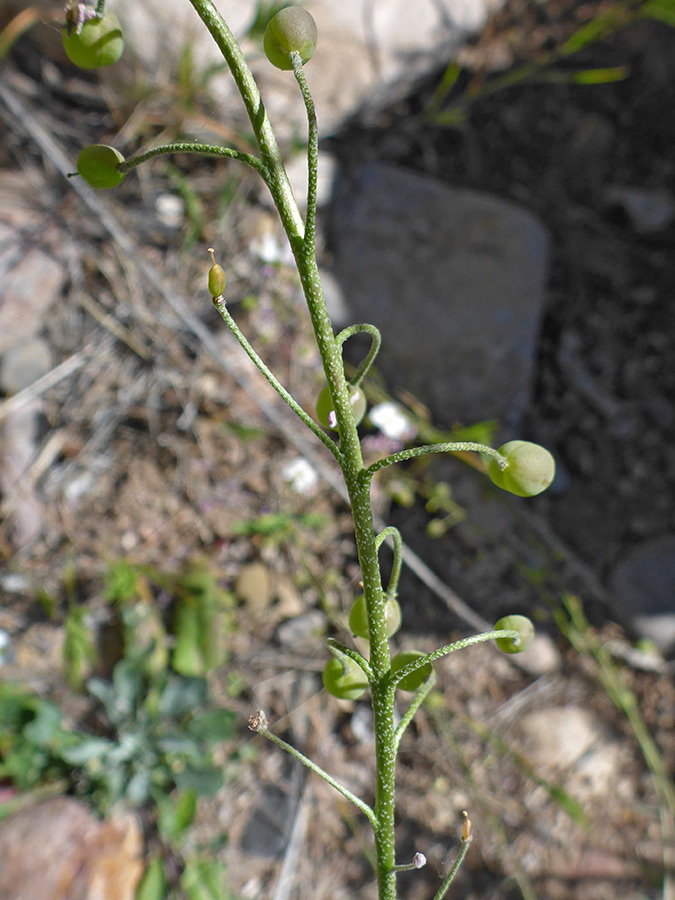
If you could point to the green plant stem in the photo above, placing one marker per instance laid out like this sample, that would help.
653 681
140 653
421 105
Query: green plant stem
395 535
417 701
445 447
427 658
193 147
338 650
100 9
275 174
374 333
296 754
224 312
301 238
463 850
312 153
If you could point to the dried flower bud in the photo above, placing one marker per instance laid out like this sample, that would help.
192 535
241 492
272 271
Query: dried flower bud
258 721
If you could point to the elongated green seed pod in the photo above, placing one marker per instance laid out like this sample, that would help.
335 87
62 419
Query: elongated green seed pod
217 278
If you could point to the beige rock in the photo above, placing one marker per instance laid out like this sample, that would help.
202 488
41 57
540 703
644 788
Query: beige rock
57 850
574 746
31 278
254 585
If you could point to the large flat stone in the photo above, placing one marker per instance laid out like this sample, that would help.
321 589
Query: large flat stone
454 279
643 591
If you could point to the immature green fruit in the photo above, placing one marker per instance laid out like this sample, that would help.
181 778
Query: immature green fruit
98 166
529 469
292 29
358 620
415 679
344 679
216 278
98 44
523 626
326 414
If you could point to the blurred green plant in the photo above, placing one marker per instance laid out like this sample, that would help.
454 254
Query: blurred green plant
572 621
79 650
202 879
199 618
289 42
154 735
279 526
549 66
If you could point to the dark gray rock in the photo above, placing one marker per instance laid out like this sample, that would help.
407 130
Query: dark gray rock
644 591
266 832
453 278
649 209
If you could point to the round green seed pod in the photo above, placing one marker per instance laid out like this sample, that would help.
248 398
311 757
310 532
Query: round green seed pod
98 44
344 679
291 30
415 679
216 279
326 414
529 469
523 626
98 166
358 619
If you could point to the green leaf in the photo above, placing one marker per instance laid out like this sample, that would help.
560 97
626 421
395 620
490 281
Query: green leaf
267 525
86 750
569 804
187 655
121 582
104 693
204 782
213 726
175 814
663 10
200 622
138 789
16 706
78 645
601 76
587 34
128 684
444 86
153 883
182 695
180 745
46 725
204 879
25 765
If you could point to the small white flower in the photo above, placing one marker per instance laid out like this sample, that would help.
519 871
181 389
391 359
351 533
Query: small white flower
391 420
300 476
170 210
268 249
